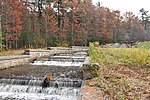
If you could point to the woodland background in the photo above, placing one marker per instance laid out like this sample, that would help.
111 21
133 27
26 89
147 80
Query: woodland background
43 23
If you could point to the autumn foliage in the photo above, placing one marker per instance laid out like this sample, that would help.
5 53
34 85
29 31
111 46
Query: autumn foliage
40 23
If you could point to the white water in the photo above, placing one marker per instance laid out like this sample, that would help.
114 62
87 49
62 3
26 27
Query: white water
33 96
77 57
57 63
20 92
61 61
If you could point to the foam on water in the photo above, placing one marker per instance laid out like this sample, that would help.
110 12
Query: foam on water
19 92
61 61
57 63
33 96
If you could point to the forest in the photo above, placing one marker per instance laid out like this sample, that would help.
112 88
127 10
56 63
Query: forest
43 23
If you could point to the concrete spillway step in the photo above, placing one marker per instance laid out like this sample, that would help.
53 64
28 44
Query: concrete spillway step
60 61
38 82
73 54
57 63
63 58
31 89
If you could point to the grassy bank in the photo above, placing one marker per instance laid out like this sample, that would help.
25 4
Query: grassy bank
145 45
113 57
124 72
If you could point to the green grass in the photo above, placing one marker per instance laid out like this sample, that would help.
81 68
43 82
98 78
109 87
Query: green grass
145 45
113 57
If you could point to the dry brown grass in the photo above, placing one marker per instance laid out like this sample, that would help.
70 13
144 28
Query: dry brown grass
11 52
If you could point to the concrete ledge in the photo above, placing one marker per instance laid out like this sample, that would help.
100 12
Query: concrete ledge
13 57
58 48
43 53
80 47
30 51
6 63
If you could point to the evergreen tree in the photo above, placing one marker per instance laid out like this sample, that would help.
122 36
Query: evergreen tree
145 17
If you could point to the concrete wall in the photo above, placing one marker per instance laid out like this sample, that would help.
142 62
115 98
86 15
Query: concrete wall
9 61
41 53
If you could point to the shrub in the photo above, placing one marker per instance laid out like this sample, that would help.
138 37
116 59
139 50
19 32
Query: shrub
63 44
96 44
40 42
53 42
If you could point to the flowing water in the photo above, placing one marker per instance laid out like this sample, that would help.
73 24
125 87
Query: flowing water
25 89
61 61
25 82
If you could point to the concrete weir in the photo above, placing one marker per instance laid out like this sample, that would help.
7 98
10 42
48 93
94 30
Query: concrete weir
24 80
30 54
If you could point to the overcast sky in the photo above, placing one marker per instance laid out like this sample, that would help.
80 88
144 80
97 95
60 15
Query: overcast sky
126 5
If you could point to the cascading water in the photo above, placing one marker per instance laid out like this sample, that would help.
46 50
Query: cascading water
65 85
61 61
32 90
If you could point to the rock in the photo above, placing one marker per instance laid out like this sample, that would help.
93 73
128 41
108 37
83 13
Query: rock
46 80
90 70
124 46
116 45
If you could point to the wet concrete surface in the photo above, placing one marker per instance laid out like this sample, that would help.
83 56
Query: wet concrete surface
29 70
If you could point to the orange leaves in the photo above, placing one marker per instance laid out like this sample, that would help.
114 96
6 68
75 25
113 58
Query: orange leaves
13 20
75 1
16 15
16 29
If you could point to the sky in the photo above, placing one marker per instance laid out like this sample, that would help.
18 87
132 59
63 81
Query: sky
126 5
